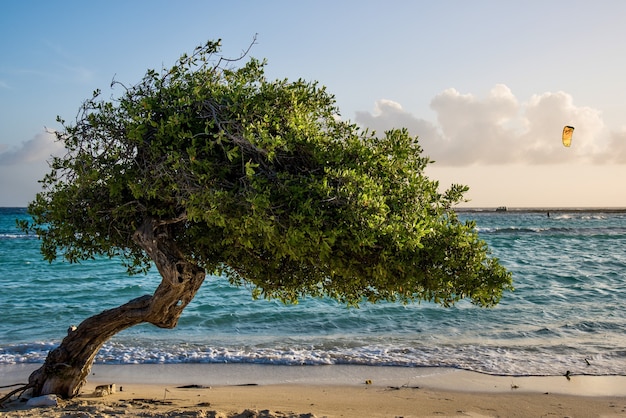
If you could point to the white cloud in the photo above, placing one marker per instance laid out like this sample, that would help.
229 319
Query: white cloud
36 150
389 114
23 166
498 129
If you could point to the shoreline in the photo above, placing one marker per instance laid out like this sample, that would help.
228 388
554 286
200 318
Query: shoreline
238 374
229 390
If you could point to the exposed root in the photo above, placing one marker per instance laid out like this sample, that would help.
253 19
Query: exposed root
23 388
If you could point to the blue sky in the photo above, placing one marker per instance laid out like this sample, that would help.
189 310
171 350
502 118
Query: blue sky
487 85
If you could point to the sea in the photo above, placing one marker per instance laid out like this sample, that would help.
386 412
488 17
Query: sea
567 313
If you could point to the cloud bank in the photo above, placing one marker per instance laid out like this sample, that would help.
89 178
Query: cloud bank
498 129
36 150
21 167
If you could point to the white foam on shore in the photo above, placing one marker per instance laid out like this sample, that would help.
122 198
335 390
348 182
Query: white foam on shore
487 358
437 378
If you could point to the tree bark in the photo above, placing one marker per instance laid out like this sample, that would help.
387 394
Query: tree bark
66 367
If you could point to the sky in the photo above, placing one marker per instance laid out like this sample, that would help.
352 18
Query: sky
487 85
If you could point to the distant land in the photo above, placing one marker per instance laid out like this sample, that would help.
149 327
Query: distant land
503 209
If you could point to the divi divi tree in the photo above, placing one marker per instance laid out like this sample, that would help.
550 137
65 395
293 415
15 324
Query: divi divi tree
209 167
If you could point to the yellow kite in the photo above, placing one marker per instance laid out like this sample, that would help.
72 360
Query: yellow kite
568 131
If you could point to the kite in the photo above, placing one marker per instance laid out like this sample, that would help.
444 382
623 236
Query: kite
568 131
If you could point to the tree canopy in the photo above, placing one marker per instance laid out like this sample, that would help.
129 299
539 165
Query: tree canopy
260 180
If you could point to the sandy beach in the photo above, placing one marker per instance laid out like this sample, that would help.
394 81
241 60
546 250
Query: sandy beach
216 390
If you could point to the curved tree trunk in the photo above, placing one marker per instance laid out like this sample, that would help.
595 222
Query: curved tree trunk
66 368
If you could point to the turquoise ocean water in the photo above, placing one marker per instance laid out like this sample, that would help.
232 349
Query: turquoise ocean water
568 311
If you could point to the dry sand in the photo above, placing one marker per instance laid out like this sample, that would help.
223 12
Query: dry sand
334 391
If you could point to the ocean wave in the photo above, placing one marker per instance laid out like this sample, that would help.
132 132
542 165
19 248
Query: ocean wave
35 352
8 236
514 361
566 231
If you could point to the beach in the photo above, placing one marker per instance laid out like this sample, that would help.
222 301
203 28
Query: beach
238 390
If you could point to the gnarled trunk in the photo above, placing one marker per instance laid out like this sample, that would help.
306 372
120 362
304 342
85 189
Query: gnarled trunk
66 368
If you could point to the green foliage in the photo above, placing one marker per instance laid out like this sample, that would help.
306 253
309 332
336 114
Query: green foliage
262 181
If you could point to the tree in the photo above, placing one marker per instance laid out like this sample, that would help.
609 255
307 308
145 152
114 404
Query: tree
210 167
